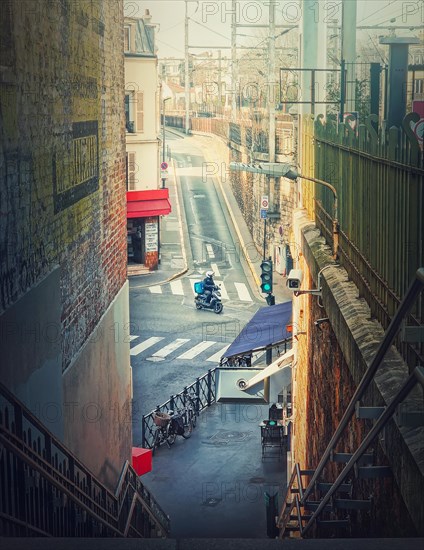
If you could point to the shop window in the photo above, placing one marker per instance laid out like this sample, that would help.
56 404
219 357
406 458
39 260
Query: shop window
419 86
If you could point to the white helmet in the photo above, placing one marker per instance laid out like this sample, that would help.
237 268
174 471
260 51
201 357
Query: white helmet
210 273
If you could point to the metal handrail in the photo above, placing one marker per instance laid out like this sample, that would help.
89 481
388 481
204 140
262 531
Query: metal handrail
88 494
404 308
417 377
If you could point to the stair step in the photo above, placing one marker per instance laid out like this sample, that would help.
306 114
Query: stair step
369 412
325 487
313 505
349 504
345 457
302 517
412 334
410 419
307 472
292 528
333 523
372 472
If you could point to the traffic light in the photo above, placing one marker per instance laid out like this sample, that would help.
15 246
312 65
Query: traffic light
266 276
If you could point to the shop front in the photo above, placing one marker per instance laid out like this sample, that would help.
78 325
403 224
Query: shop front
144 209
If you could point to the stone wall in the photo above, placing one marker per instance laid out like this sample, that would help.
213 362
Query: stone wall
62 171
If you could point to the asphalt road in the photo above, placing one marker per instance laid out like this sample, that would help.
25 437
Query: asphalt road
177 343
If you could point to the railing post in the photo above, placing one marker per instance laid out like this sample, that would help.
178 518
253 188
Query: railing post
143 431
197 405
172 402
184 392
209 387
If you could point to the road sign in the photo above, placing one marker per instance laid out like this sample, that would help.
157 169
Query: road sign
263 214
164 165
164 174
264 202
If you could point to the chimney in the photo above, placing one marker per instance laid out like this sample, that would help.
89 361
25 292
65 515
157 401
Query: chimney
147 17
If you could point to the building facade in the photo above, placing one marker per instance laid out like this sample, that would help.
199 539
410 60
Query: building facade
64 290
146 201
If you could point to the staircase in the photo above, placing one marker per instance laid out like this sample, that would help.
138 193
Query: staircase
315 506
45 491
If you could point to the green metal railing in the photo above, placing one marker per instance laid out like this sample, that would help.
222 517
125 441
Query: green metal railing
379 178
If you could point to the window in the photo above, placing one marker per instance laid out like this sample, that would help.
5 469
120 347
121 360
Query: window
140 112
127 39
419 86
129 112
131 170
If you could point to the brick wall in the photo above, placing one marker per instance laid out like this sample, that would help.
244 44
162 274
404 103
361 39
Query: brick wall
63 287
63 168
328 369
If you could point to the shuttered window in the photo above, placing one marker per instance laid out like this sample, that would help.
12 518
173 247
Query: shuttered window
131 171
127 39
140 112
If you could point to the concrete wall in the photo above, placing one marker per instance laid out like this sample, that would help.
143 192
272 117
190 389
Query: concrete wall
62 195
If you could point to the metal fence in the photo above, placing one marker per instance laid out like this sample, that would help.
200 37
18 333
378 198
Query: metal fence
379 181
204 390
47 491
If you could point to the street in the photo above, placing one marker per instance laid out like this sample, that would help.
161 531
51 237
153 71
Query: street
172 343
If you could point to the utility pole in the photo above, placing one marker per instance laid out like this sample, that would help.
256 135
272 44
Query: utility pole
234 62
186 74
271 103
349 51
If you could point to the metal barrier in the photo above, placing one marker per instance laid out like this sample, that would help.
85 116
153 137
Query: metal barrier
204 390
47 491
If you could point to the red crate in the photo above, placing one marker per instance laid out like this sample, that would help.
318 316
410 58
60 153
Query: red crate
142 460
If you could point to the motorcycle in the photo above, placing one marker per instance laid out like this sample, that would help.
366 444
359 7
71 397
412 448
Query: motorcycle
214 304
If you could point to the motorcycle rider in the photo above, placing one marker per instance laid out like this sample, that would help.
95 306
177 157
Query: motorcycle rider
209 285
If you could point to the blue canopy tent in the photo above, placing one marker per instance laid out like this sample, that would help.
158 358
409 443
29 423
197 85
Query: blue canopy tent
268 327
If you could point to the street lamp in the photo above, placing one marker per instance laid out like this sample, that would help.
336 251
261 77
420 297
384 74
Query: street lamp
163 135
277 169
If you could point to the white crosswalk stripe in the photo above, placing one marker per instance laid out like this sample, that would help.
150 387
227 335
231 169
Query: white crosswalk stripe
167 350
146 344
242 292
155 289
133 337
215 270
224 293
217 356
196 350
177 287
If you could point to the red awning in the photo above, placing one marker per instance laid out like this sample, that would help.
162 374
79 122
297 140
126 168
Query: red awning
143 204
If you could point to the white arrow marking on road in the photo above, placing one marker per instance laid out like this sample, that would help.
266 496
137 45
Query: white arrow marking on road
217 356
243 292
171 347
210 251
177 287
155 289
146 344
191 353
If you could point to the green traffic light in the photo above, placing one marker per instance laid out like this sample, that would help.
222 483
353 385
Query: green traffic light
266 287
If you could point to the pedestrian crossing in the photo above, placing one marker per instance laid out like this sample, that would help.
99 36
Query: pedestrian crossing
184 287
182 349
192 350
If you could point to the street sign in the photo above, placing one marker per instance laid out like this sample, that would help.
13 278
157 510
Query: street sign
164 165
263 214
264 202
164 174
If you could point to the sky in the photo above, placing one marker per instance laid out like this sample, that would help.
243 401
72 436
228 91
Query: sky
209 21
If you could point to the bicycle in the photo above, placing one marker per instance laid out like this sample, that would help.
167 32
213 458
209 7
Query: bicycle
164 431
191 406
